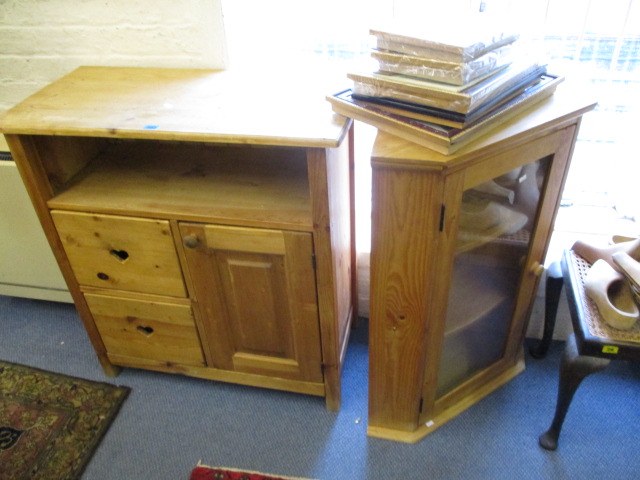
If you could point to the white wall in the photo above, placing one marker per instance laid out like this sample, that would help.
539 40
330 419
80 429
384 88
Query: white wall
41 40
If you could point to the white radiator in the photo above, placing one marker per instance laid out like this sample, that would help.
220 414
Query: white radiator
27 265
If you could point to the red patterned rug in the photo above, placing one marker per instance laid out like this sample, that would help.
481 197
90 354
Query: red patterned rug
50 424
202 472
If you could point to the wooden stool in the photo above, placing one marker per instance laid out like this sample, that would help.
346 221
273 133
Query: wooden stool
590 348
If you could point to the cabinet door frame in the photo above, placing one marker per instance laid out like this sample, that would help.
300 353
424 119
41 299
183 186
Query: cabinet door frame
557 147
221 258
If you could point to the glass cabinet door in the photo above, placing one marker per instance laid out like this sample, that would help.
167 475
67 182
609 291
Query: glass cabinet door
495 227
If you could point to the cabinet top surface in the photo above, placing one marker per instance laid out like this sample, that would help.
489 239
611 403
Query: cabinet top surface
180 104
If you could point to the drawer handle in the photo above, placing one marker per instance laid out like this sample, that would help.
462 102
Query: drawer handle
191 241
103 276
146 331
120 255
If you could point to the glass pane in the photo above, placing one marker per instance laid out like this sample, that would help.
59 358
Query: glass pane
496 221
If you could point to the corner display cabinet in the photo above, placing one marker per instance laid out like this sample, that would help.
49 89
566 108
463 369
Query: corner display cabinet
458 245
201 219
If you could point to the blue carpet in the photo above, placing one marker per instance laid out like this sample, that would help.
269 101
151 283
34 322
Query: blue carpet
170 422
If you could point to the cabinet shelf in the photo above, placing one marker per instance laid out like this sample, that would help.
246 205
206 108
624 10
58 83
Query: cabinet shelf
478 290
240 185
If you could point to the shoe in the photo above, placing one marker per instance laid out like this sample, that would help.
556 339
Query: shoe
629 267
482 221
620 238
591 253
479 215
492 191
509 179
612 295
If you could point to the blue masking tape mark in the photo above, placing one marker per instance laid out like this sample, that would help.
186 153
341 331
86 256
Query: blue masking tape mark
151 127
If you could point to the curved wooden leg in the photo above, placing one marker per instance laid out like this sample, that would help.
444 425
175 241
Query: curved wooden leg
573 369
553 289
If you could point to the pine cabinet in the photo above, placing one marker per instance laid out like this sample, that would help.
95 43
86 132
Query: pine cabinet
202 222
458 246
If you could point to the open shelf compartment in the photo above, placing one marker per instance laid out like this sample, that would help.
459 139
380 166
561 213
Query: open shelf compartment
239 185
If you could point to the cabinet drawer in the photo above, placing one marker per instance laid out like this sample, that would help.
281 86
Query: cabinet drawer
123 253
151 330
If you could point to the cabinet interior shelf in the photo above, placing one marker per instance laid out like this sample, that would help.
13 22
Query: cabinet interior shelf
478 291
243 185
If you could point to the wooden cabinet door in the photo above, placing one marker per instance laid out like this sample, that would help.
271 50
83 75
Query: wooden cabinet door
256 292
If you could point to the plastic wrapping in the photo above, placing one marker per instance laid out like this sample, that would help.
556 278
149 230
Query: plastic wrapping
379 90
447 72
443 89
461 99
459 41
